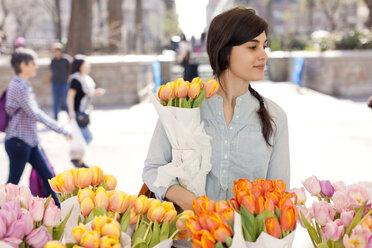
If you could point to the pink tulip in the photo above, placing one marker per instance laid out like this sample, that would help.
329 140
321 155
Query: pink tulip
13 206
3 226
13 242
36 208
323 211
347 217
28 222
339 186
357 195
305 211
327 189
369 245
24 195
340 201
12 191
2 194
301 195
38 237
359 236
16 229
312 185
8 217
332 231
52 215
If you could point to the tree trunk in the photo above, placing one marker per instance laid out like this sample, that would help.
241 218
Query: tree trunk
58 21
80 28
369 19
269 15
310 17
115 20
139 27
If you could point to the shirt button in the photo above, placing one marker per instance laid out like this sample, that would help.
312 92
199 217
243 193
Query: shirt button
230 128
219 113
225 156
237 117
224 171
225 141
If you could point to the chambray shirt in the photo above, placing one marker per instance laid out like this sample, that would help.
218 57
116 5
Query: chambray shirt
24 113
238 150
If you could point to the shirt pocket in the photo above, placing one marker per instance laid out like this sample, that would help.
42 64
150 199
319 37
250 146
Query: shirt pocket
251 142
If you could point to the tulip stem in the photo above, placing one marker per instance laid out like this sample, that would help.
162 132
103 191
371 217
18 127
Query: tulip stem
365 217
147 230
174 234
138 218
116 215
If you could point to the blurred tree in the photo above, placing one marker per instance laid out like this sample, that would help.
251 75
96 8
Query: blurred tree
170 20
54 8
369 6
329 9
139 28
101 17
80 28
269 14
310 4
115 21
4 13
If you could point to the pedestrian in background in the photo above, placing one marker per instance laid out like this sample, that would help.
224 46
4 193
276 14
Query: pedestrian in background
60 70
79 98
21 140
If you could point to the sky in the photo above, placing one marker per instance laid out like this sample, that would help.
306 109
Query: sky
192 16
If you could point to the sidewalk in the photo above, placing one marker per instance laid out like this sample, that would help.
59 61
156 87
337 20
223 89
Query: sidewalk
329 137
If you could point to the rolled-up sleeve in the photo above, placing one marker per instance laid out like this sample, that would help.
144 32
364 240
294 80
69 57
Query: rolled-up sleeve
279 166
159 154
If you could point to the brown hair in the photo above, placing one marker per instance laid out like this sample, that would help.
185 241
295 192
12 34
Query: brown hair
233 28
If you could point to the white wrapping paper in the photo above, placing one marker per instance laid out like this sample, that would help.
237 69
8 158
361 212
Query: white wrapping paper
74 217
191 148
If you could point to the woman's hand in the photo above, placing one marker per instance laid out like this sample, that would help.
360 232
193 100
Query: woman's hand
69 136
99 92
72 115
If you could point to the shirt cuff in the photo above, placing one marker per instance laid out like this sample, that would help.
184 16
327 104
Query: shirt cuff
161 191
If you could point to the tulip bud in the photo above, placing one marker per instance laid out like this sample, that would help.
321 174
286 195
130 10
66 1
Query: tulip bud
161 95
221 205
203 239
52 215
98 222
347 217
273 227
249 203
97 175
288 219
66 180
83 177
38 237
109 241
55 185
84 193
312 185
86 206
54 244
221 232
133 216
90 239
193 225
211 87
156 213
78 232
16 229
110 181
301 195
101 198
327 189
333 231
141 204
181 88
118 201
111 227
195 87
36 208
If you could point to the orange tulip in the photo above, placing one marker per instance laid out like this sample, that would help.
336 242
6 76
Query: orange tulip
234 203
292 196
288 219
83 177
228 214
97 175
221 232
54 244
110 181
202 204
78 232
84 193
181 222
169 215
153 202
284 203
66 180
133 216
101 198
273 227
90 239
108 241
274 194
161 95
195 87
167 92
118 201
242 183
280 184
141 204
257 191
55 185
264 203
241 193
156 213
203 239
193 225
267 185
249 203
86 206
221 205
181 88
132 199
111 227
211 87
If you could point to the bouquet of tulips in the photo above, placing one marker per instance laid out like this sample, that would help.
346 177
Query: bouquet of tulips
178 107
268 212
83 190
341 216
27 221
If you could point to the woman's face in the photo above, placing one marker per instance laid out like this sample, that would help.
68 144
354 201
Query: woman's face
85 68
247 61
29 69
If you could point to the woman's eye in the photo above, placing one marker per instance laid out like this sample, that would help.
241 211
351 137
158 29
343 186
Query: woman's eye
266 46
252 47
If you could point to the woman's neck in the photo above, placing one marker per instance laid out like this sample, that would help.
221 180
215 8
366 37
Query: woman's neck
231 88
24 77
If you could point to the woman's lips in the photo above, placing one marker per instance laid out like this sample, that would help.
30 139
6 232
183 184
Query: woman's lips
260 67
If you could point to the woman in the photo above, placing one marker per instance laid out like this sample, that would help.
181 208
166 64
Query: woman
21 140
79 96
249 133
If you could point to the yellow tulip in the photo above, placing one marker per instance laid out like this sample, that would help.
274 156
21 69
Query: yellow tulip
97 175
83 177
110 182
86 206
54 244
55 185
78 232
77 246
211 87
117 246
118 201
181 222
194 90
101 198
108 241
161 95
90 239
156 213
98 222
153 202
66 180
181 88
111 227
133 216
169 215
84 193
141 205
132 199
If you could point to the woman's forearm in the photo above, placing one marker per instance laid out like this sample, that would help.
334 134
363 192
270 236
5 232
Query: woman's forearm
71 100
180 196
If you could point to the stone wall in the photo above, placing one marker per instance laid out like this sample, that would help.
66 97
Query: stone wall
338 73
126 78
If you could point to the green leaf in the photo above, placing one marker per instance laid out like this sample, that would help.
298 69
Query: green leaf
231 224
79 220
170 102
155 235
60 198
58 231
311 230
356 219
76 191
249 221
140 232
228 241
164 231
89 218
125 218
138 242
149 236
198 101
278 213
47 202
70 245
261 220
218 245
22 245
103 184
323 245
172 225
163 103
247 236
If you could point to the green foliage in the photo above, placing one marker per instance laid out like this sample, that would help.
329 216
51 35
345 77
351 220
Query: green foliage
349 42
